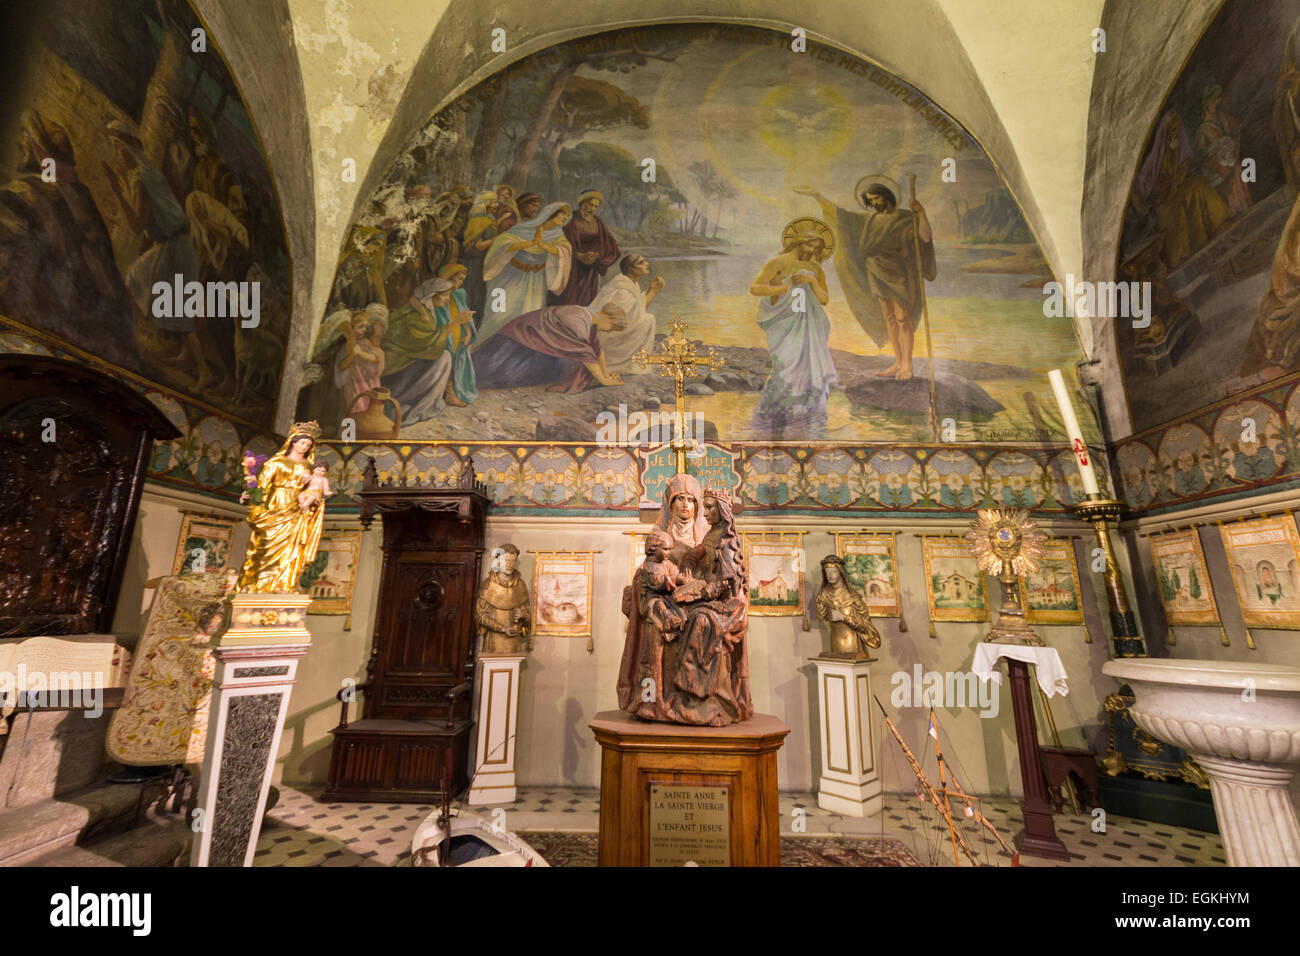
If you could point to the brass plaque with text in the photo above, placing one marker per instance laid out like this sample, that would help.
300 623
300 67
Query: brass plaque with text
689 824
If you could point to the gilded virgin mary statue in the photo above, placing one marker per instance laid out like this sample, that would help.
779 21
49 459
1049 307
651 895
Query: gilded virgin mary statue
286 524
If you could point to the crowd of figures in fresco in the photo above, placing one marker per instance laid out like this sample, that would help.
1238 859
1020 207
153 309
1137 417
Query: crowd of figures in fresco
1213 220
520 245
464 291
477 290
137 173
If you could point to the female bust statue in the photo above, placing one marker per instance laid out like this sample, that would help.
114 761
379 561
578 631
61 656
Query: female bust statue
285 534
852 632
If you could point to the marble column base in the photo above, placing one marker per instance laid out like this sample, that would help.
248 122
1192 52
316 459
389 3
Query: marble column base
256 665
1253 804
849 783
498 716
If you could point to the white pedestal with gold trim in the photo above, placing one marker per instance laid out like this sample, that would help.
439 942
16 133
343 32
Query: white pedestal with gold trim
257 662
498 715
849 783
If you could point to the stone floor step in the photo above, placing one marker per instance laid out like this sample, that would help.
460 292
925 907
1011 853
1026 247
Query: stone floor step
41 828
157 841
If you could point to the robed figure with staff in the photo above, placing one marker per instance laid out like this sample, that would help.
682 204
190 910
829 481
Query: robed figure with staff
884 254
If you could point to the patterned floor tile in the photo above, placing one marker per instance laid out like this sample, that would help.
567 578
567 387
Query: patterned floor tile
299 831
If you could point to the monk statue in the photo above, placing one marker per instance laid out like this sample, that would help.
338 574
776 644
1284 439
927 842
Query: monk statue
852 633
503 615
685 660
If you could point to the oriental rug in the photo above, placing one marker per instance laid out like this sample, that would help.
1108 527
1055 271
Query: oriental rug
580 849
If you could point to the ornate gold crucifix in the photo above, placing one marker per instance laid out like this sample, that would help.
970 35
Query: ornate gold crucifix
679 361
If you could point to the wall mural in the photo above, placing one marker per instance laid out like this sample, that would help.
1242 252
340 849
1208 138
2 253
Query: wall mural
1218 239
135 163
541 230
581 479
1208 455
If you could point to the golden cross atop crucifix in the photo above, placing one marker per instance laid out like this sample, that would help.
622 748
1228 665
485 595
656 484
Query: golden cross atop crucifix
677 359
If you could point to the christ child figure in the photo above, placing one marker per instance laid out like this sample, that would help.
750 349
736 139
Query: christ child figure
655 580
315 491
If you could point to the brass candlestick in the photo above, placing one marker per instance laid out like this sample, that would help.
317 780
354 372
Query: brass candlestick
1127 639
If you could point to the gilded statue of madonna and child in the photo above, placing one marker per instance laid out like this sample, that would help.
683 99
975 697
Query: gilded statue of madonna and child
685 659
288 493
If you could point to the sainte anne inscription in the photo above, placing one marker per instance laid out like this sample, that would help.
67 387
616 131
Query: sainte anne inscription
689 825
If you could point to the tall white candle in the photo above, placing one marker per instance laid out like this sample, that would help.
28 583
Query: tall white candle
1081 456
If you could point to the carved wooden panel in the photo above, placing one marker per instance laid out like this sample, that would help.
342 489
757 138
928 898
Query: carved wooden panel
73 448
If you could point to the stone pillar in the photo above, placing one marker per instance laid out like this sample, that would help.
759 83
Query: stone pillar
850 783
498 716
1257 819
256 665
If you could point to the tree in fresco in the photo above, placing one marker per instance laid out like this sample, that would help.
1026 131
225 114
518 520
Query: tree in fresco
620 52
630 203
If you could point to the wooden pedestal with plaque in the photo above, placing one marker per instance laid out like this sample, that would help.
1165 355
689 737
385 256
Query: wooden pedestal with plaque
672 794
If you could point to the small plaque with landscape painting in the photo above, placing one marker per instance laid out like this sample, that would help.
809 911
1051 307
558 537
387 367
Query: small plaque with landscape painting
1264 556
1052 592
872 570
1183 578
332 574
204 544
562 594
775 569
956 585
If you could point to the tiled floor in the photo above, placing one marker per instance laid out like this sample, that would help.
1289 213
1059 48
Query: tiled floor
301 832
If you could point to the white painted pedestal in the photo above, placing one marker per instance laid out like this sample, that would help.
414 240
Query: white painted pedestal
257 662
849 782
498 716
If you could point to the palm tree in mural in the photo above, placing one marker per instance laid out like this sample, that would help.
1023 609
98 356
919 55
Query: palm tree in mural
707 179
724 192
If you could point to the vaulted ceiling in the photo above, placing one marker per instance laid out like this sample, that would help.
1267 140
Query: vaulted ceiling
342 84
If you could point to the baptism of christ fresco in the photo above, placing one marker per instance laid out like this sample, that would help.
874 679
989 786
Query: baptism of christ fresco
593 192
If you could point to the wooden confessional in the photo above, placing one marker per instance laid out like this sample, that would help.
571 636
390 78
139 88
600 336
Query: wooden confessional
415 726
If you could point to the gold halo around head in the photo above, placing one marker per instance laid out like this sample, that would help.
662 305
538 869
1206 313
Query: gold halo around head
811 226
881 178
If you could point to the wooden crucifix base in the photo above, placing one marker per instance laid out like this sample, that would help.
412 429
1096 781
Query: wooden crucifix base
673 794
1038 838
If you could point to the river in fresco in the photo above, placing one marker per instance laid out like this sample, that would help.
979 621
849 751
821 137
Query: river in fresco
974 317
